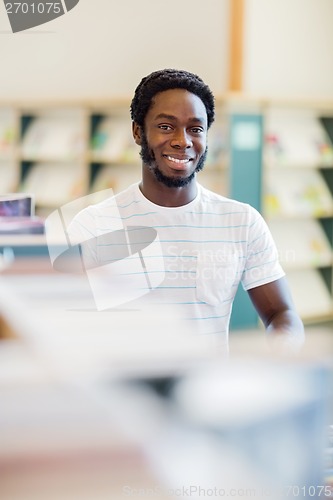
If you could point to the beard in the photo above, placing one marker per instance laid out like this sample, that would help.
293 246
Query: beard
149 159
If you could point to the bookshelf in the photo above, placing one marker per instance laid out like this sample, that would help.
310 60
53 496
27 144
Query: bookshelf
9 176
52 153
113 157
215 175
298 201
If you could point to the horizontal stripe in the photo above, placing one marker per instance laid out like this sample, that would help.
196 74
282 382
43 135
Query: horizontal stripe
220 214
189 226
208 317
203 241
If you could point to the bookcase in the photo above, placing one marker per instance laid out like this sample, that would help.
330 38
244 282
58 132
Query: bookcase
276 155
298 200
281 162
9 174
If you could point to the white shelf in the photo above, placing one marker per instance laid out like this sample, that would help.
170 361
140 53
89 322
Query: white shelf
113 141
217 144
310 293
295 138
304 247
293 193
54 138
54 184
8 177
116 177
8 133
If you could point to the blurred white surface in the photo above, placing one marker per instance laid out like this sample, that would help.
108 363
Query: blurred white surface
80 418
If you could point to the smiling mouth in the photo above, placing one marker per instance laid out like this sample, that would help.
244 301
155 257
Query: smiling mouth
178 160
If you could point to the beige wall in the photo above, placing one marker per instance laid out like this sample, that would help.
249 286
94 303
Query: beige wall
288 48
103 48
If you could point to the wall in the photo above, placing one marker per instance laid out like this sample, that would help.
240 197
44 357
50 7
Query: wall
288 48
103 48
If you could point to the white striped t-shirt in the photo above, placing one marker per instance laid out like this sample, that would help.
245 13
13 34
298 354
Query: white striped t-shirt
202 251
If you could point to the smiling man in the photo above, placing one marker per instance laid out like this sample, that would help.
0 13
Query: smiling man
173 140
209 244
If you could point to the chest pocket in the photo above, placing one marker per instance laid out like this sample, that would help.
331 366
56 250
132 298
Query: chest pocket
215 278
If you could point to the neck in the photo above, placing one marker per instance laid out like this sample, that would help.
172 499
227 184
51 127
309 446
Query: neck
165 196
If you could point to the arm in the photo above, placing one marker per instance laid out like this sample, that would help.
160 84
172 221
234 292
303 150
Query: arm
275 307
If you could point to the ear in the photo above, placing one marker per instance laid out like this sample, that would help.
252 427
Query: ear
137 133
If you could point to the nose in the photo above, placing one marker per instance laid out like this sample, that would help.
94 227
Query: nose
181 139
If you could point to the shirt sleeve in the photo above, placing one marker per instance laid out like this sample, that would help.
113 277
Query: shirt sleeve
262 260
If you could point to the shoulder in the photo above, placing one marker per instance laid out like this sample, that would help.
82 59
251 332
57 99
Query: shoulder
119 201
111 203
227 206
99 217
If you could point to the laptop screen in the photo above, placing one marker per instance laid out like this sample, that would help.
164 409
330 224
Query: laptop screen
16 205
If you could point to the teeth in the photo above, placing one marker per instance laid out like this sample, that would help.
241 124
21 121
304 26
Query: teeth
176 160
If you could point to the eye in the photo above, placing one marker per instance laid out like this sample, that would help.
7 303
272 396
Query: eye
164 126
197 130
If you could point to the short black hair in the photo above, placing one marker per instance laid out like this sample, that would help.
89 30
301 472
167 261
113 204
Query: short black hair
166 79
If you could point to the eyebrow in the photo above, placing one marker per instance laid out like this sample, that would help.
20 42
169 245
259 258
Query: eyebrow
173 118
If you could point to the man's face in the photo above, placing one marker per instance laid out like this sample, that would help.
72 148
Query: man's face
174 142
